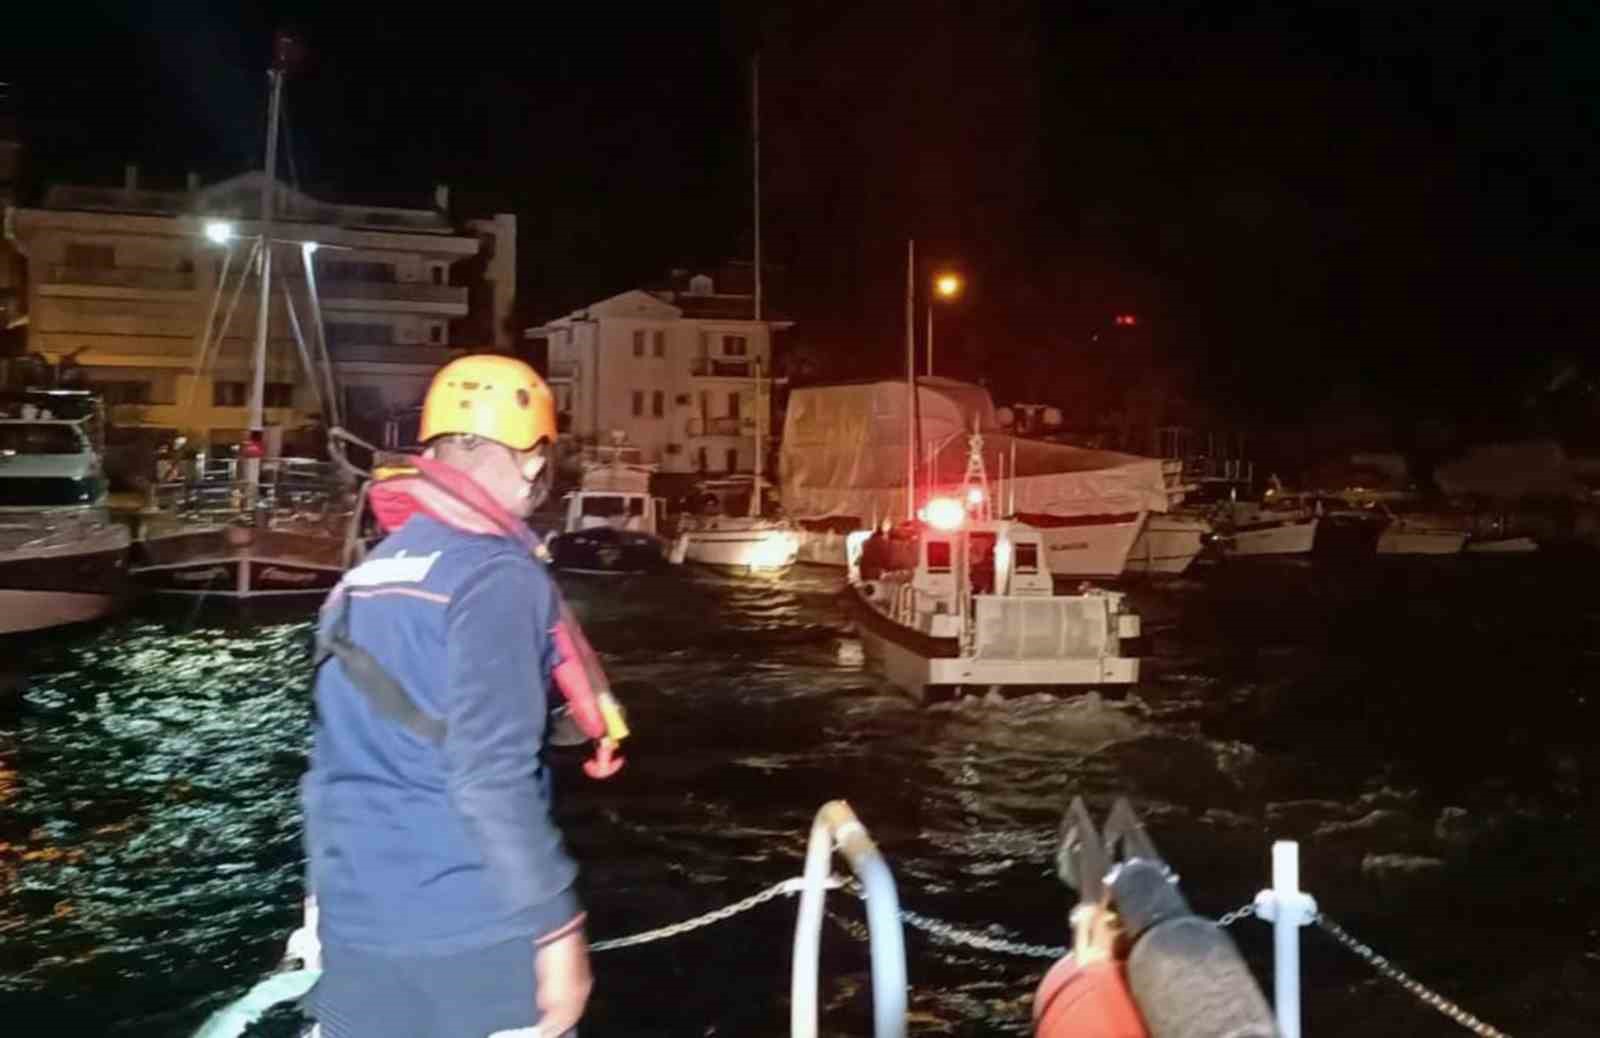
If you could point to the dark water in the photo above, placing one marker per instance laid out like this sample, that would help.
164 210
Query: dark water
1427 730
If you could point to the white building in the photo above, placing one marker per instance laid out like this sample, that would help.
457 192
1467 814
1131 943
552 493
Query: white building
122 280
682 371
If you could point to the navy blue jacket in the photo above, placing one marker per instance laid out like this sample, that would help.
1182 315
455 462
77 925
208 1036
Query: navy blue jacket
421 849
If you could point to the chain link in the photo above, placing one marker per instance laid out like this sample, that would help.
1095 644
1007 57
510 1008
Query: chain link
786 887
983 942
1388 969
1244 911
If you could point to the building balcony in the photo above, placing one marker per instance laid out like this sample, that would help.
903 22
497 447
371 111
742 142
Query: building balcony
122 277
391 354
723 367
416 296
699 427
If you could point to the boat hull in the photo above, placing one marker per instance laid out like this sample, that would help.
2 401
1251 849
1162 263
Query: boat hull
63 585
604 551
226 564
1087 546
769 552
921 665
1168 544
1503 546
1291 537
1400 540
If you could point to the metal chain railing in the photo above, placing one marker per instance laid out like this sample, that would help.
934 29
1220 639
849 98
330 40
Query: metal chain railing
786 887
985 942
1425 994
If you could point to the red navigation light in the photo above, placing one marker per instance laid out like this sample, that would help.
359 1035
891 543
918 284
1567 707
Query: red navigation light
944 513
1127 320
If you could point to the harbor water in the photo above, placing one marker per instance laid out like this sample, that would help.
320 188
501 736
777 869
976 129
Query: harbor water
1425 728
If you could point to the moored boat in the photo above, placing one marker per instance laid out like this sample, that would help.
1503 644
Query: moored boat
610 522
957 598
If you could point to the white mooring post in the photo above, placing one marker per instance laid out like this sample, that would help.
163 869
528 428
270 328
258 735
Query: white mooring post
1288 910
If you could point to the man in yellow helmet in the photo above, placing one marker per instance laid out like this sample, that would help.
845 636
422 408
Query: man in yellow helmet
444 891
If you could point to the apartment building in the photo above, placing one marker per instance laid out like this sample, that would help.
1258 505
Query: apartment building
122 282
681 370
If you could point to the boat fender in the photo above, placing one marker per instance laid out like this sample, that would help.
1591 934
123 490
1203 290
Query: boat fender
1091 1001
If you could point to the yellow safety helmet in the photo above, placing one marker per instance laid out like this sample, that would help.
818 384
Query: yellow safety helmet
496 397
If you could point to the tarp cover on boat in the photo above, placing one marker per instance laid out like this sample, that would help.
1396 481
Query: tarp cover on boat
1509 471
844 454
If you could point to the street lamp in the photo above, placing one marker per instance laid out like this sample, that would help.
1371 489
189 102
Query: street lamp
219 232
945 286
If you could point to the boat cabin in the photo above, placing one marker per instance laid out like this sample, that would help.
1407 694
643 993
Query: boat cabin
615 493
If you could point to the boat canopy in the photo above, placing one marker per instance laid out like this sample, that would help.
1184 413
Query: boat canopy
844 454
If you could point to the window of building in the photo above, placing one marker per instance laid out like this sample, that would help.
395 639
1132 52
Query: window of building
638 342
228 394
733 405
701 462
437 273
96 257
735 346
278 394
658 403
350 333
436 333
658 343
733 459
638 403
124 392
355 270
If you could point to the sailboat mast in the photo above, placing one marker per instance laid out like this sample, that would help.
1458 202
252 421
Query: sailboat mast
258 375
755 169
755 208
911 382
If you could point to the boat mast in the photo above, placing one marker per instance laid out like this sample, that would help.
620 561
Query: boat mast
258 376
755 208
913 448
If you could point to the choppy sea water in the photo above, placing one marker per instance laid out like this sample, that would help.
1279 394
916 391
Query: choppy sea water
1426 729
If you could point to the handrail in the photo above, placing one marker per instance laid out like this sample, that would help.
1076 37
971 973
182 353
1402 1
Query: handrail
836 824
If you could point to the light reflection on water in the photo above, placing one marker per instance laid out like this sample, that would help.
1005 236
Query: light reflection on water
149 845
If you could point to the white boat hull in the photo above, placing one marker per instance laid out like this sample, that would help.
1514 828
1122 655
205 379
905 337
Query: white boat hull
768 551
22 611
1090 549
65 575
822 548
1292 537
1400 540
1504 546
917 674
1167 544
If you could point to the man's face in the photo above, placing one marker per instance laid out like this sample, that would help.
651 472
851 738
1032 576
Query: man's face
512 479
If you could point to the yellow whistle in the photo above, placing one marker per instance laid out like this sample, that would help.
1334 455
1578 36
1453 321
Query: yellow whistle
616 724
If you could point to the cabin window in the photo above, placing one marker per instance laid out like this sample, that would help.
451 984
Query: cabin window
602 507
41 439
938 556
1027 558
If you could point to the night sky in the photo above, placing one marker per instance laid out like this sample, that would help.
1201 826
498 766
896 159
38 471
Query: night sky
1378 207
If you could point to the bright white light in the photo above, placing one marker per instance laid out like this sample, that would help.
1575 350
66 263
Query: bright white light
974 496
310 247
944 513
219 232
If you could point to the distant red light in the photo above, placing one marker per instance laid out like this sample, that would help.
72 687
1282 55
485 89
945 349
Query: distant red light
1127 320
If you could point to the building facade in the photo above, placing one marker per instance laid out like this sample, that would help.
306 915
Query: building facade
683 372
123 283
